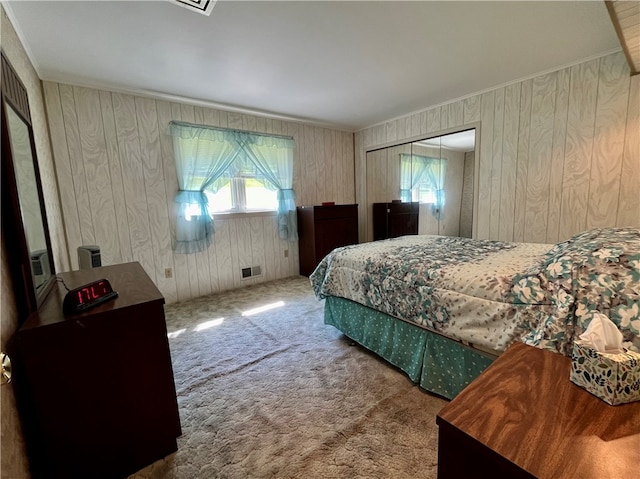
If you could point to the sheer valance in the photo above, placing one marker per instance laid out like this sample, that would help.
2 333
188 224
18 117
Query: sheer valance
204 154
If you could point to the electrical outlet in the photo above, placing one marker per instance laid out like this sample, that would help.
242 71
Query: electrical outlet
286 253
168 273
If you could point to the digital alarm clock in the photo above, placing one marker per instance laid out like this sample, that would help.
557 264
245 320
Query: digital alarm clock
87 296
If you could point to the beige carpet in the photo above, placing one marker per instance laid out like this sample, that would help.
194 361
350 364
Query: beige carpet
279 394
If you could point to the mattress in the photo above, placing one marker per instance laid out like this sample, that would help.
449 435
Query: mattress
491 293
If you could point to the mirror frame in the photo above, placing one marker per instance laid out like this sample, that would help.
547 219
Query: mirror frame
475 125
28 300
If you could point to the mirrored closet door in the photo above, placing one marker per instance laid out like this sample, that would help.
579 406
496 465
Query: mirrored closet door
433 178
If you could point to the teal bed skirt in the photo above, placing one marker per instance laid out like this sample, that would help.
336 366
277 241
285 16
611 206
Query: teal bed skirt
438 364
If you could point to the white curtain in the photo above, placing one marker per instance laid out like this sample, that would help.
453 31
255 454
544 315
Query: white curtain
205 156
273 157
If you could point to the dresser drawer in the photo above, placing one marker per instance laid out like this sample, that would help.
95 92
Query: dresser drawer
336 211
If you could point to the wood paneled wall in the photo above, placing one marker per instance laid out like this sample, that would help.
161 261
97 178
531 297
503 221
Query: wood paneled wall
559 153
115 167
466 208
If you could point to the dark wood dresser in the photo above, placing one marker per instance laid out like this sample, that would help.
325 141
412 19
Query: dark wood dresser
96 389
323 228
391 220
523 418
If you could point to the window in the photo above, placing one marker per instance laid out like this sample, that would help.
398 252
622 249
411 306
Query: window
422 179
241 188
424 192
242 194
237 195
222 170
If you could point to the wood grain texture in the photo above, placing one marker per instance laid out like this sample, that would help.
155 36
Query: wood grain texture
117 185
401 128
96 167
579 147
472 109
554 168
433 120
608 144
486 164
629 201
330 179
444 117
509 161
78 177
496 164
390 130
625 16
557 155
180 261
456 114
522 168
415 125
124 108
539 167
152 164
466 204
360 176
546 425
63 166
121 152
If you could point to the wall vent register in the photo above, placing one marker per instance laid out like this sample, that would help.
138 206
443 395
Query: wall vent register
251 272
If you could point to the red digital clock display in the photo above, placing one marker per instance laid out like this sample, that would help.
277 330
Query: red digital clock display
93 291
87 296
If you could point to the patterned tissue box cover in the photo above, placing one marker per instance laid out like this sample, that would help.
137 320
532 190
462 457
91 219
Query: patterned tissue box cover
614 378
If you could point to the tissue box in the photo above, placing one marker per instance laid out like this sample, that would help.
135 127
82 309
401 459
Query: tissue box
614 378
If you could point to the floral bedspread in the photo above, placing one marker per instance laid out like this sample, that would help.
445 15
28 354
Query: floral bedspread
491 293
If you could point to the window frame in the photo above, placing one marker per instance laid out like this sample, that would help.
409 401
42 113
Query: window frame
239 199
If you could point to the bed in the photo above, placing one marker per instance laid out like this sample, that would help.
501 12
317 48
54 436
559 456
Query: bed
442 308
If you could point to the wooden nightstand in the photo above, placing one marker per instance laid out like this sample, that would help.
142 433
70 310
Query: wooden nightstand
97 391
523 418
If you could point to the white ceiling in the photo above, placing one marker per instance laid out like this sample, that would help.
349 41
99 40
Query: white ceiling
459 141
344 64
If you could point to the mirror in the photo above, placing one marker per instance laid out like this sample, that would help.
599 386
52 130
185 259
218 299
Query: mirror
432 178
28 241
28 198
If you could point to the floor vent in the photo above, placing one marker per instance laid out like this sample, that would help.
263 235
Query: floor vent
251 272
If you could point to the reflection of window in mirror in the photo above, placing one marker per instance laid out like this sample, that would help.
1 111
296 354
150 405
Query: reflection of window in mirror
444 166
436 172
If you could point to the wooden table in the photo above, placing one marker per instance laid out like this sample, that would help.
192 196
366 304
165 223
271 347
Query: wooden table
523 418
97 393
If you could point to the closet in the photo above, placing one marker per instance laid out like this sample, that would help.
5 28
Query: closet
437 174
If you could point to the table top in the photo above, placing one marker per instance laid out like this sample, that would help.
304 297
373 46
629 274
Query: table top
525 408
129 280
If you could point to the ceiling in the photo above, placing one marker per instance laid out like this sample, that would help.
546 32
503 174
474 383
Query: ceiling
343 64
459 141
